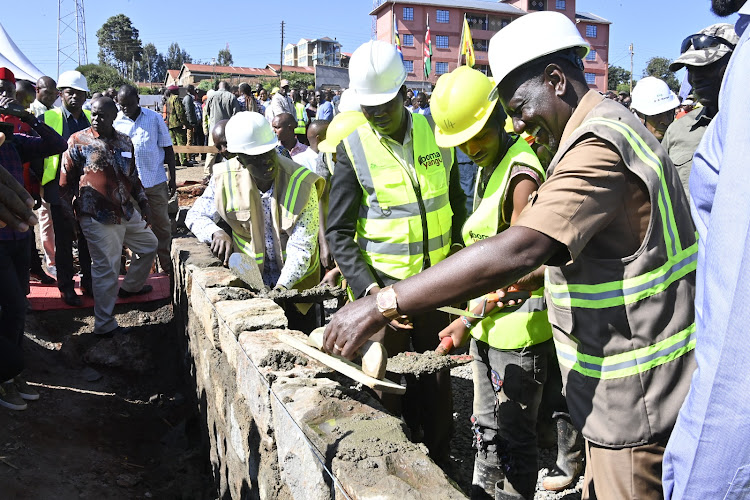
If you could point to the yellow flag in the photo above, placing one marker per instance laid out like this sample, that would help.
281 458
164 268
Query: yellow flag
467 45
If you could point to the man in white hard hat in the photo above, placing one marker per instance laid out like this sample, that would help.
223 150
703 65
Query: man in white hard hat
613 226
396 207
66 120
271 205
654 103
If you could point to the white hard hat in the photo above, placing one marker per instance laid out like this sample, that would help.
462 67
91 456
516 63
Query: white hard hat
530 37
249 133
376 73
652 96
349 102
72 80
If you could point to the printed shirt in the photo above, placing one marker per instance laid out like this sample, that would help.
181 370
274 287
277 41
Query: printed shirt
98 177
150 136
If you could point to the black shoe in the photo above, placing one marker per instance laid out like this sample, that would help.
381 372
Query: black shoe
120 330
124 294
44 278
71 298
86 290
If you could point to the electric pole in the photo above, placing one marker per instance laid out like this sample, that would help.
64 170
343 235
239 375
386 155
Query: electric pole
281 58
631 68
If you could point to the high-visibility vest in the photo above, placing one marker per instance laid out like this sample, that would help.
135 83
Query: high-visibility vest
54 119
404 225
238 202
301 118
526 325
624 329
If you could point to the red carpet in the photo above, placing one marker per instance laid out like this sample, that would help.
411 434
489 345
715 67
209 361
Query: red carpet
47 297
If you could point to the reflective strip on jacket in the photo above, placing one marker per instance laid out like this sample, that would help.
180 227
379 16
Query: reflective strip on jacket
624 328
526 325
403 226
54 119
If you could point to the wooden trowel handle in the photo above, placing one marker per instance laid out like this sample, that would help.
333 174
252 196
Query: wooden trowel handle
374 355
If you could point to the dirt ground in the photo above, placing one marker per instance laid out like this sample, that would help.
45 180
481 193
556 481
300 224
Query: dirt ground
115 419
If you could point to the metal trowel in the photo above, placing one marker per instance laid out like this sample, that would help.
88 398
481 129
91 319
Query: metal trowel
247 270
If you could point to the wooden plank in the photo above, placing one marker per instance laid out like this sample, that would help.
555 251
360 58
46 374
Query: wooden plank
195 149
342 366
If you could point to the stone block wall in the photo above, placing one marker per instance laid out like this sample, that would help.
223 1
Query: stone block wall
277 424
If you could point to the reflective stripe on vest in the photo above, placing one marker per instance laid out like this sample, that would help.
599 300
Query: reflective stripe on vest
292 190
627 363
528 324
403 225
300 109
680 261
54 119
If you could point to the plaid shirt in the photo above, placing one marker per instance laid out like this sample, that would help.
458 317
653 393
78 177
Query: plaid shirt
98 177
22 148
150 136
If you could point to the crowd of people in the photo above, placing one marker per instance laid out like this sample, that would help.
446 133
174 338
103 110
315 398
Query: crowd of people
559 214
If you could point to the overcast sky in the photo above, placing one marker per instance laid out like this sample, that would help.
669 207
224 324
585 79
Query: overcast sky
253 33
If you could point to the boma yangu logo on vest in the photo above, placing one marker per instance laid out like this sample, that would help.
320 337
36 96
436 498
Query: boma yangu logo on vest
430 160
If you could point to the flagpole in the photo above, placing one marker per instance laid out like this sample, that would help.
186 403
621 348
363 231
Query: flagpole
461 45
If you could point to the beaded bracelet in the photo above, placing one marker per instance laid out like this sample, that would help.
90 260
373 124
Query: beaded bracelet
466 322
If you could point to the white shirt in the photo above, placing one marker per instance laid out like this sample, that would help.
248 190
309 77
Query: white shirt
150 136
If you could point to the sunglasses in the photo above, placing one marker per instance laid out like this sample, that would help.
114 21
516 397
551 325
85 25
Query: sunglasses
703 42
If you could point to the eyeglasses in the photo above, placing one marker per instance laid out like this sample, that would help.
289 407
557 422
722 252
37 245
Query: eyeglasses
703 42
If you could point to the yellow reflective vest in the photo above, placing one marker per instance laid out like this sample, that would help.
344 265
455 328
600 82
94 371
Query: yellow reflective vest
508 328
54 119
301 118
404 224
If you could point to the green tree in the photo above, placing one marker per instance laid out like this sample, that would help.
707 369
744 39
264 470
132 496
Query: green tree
225 57
152 66
119 44
659 68
617 75
208 84
101 76
297 80
176 56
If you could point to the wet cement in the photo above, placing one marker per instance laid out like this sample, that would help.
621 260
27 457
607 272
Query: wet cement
429 362
282 360
317 293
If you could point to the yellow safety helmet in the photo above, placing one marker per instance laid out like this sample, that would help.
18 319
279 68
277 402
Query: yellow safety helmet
460 105
341 126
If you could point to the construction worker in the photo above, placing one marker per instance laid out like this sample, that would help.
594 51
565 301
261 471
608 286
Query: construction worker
271 205
395 208
654 104
299 107
613 226
514 356
67 120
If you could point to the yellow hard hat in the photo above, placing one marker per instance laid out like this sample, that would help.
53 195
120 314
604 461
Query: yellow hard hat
341 126
460 106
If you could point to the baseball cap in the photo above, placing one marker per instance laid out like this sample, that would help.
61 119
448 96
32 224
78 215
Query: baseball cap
6 74
707 46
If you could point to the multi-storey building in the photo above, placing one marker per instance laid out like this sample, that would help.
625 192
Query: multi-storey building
313 52
485 19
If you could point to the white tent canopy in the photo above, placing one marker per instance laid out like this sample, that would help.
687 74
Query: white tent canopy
12 58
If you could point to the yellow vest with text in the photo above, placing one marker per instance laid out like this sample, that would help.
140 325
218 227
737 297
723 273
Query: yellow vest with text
404 225
301 113
238 202
526 325
54 119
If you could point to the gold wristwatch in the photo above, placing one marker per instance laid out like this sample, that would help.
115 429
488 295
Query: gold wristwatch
387 302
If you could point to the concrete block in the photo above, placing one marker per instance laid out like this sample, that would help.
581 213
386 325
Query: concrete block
212 277
251 315
256 370
368 450
205 312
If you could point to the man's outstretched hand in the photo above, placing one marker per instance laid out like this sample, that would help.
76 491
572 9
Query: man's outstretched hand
15 202
351 326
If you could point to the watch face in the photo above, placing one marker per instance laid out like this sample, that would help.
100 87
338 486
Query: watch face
387 299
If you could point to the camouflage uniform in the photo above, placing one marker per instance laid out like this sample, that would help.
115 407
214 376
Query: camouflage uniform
176 121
